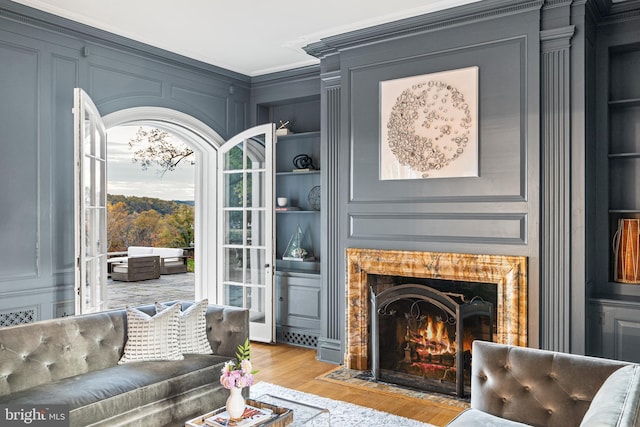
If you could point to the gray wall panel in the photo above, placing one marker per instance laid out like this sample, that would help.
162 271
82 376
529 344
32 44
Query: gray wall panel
64 78
502 110
210 105
107 84
20 90
480 229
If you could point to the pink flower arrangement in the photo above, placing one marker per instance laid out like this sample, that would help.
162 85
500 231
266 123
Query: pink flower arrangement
238 373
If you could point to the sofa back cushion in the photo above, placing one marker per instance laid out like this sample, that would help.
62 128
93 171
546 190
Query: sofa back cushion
139 250
617 402
535 387
41 352
168 253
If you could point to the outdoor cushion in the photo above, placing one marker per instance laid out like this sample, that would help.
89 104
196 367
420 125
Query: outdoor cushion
139 250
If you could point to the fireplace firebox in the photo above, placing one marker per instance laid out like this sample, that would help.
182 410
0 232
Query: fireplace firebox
421 337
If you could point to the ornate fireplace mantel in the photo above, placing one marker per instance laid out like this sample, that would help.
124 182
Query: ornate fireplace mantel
509 273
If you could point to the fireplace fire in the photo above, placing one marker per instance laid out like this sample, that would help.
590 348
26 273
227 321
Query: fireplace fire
421 337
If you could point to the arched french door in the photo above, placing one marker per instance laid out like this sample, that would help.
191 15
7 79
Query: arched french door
205 143
234 180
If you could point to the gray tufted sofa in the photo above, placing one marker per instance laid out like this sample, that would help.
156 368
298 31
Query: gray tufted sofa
518 386
73 361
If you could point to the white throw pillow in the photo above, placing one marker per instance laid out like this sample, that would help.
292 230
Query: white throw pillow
192 337
152 338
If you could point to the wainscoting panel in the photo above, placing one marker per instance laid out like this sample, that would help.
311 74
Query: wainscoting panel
112 84
210 105
20 207
446 227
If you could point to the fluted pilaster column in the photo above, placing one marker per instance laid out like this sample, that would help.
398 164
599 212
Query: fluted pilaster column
333 310
555 257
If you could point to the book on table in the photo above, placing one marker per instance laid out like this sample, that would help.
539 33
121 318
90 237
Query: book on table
250 417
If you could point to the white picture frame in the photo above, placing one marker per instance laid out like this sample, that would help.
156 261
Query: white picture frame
429 125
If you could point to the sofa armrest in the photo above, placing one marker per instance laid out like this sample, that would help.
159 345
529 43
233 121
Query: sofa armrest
227 328
533 386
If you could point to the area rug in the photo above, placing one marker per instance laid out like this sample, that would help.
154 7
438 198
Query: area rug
341 413
365 380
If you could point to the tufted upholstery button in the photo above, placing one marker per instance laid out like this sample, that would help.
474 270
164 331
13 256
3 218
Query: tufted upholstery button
553 376
483 377
550 411
504 400
527 388
506 367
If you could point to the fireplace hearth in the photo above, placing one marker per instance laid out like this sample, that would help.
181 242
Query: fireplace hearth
421 337
507 273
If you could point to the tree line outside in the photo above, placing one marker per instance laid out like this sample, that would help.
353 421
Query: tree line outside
146 221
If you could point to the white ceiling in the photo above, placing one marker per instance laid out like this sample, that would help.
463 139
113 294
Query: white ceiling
251 37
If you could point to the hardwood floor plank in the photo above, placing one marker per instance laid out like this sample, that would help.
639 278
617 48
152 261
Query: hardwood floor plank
297 368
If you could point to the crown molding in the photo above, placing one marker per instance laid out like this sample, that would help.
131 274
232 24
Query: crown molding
473 12
309 72
622 11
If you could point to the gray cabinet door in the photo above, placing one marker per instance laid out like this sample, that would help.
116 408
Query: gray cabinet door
298 308
619 330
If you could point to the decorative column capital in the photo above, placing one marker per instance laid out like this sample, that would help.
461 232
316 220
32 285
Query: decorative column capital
557 38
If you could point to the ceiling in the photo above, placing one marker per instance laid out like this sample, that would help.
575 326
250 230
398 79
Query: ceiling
251 37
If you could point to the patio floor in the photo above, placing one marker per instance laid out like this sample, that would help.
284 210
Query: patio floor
167 288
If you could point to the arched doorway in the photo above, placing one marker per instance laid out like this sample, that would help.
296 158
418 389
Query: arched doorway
205 143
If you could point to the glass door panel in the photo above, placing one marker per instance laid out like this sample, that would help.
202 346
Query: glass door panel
90 205
246 227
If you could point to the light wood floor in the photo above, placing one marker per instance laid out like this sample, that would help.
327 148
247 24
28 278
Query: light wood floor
297 368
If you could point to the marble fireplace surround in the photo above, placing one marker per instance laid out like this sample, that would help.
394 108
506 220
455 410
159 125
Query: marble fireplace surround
509 273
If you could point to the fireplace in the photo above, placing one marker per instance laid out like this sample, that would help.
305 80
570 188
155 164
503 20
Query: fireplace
508 274
421 336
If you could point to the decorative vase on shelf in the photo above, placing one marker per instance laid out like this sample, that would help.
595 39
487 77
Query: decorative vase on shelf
235 403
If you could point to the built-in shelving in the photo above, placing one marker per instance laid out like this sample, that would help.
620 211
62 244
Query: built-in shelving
298 283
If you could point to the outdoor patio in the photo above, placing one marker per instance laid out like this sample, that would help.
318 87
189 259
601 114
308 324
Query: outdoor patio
167 288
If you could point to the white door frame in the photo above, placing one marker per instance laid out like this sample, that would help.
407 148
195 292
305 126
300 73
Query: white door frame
205 143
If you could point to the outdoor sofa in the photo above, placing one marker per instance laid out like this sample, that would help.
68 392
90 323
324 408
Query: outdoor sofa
518 386
136 269
74 361
170 260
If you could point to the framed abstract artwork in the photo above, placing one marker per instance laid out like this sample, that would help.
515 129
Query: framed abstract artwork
429 125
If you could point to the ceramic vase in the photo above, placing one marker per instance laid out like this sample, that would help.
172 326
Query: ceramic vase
235 403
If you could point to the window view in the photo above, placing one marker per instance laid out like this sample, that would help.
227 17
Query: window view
150 217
